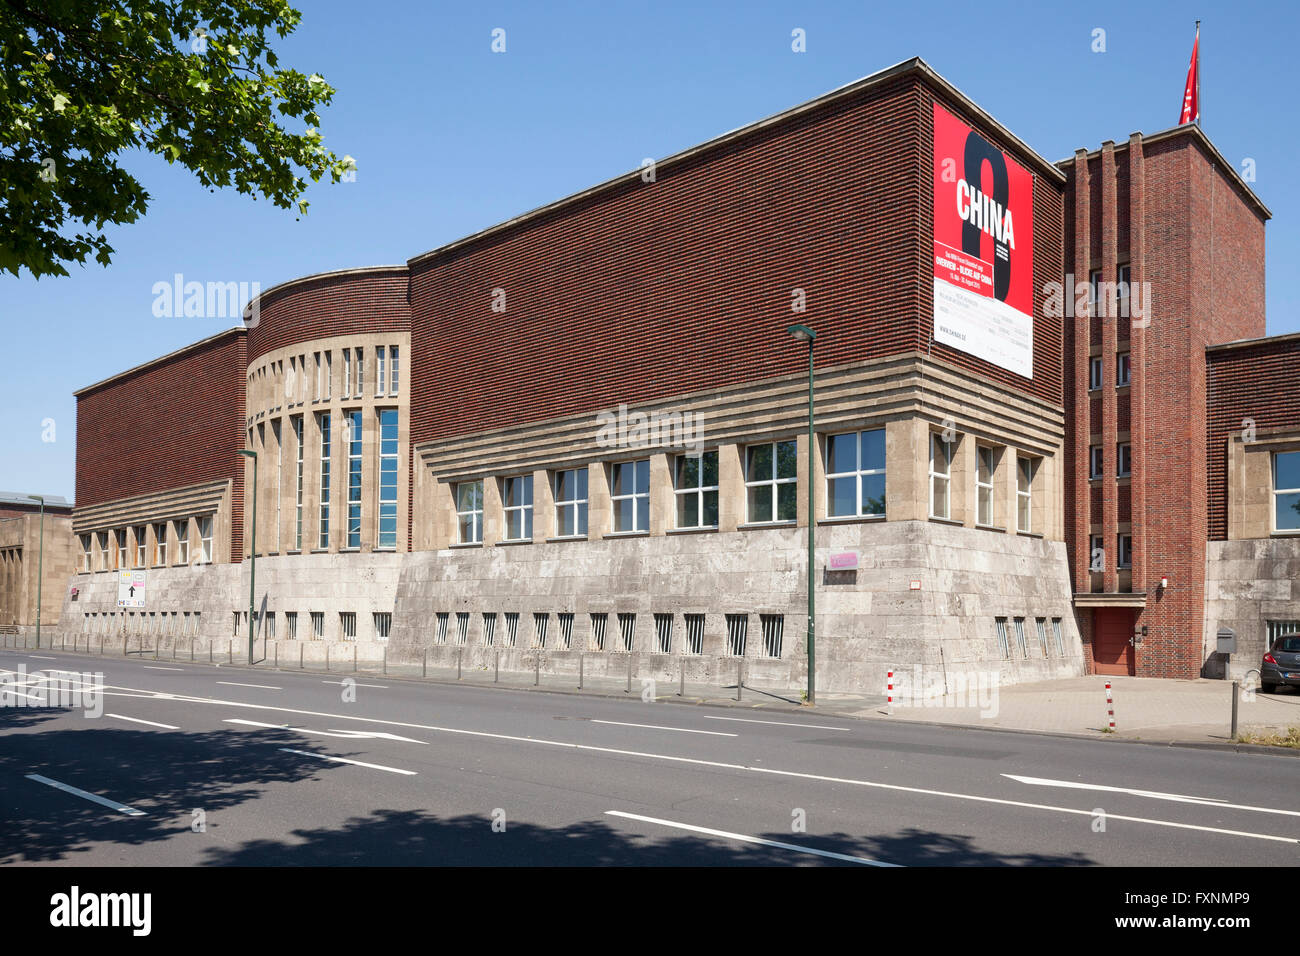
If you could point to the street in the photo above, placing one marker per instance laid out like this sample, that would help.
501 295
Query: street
200 765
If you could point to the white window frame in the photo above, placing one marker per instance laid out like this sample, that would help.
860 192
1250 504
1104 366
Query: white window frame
386 539
87 552
160 544
120 533
576 506
205 538
474 514
324 425
944 477
1278 492
103 549
1096 373
298 432
182 528
857 473
392 369
1026 494
683 493
381 370
771 483
639 497
522 512
355 434
141 534
984 489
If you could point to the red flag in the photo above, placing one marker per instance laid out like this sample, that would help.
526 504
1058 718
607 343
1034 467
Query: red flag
1192 92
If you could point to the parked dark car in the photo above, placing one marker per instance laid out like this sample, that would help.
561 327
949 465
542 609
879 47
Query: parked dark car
1281 665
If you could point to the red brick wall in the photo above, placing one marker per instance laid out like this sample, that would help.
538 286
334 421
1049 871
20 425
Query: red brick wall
176 423
651 289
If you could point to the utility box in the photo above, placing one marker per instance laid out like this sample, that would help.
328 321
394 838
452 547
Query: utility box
1227 641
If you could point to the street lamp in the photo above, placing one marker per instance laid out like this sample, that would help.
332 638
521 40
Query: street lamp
40 568
252 557
802 333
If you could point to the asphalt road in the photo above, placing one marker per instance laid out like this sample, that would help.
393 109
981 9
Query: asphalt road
192 764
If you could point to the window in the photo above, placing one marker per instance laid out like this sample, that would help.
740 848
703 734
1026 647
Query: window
985 469
571 503
855 474
512 628
1094 373
1025 468
630 495
348 625
1126 551
442 618
205 538
566 630
141 542
182 529
1124 460
103 550
694 633
489 628
1280 629
540 620
268 626
598 631
695 484
381 370
318 393
1020 637
279 478
664 632
1094 290
940 476
469 511
352 437
291 625
518 501
1286 491
1042 635
1096 462
317 625
771 482
329 374
1123 370
388 478
392 370
1097 554
773 630
121 547
383 624
627 628
737 627
160 544
87 559
1056 632
347 372
1124 273
462 627
236 632
323 423
296 422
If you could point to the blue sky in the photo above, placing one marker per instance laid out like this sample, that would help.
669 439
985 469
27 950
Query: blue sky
450 137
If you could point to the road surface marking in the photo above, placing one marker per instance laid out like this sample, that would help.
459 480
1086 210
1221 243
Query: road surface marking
137 720
682 730
778 723
745 838
41 657
1153 794
92 797
154 667
671 758
355 763
354 684
346 734
16 693
231 683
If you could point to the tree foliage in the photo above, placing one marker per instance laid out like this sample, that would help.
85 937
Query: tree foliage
195 81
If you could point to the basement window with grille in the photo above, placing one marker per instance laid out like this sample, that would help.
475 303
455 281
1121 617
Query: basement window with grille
489 628
317 625
1020 637
462 627
694 633
566 630
1004 648
291 625
664 632
773 632
442 618
598 631
1042 635
540 620
1060 641
348 625
627 627
383 624
512 628
737 629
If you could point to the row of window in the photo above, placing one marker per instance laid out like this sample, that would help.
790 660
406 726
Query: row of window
1123 371
156 544
318 377
855 487
144 623
1045 646
1286 491
1099 298
1123 460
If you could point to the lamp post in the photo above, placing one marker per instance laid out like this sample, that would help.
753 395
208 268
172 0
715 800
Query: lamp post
40 568
252 557
802 333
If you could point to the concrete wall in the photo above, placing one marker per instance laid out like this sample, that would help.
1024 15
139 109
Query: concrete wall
1247 584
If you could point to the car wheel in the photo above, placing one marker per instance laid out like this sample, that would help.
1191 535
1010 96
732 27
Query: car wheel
1268 688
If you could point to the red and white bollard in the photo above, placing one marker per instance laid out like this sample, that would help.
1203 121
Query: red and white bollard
1110 708
889 700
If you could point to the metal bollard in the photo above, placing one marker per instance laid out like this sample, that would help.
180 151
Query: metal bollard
681 691
277 655
385 660
537 669
300 652
458 657
327 658
191 650
579 672
1236 693
740 675
424 663
496 667
629 672
354 658
230 651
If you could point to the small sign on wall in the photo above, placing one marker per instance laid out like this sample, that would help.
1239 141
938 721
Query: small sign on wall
914 586
845 561
130 588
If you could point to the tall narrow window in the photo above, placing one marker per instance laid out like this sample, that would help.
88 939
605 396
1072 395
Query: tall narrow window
381 370
103 551
489 628
182 540
1123 277
571 503
1042 635
737 631
627 628
298 450
87 557
205 538
773 633
141 545
771 482
388 478
329 374
540 620
279 477
598 631
1094 373
566 630
469 511
323 423
360 357
317 625
1124 460
1286 491
630 495
353 439
940 476
1056 632
348 625
392 371
1004 647
695 480
518 502
442 618
318 364
1126 551
664 632
985 468
1020 637
694 633
512 628
1124 370
462 627
1025 468
291 625
1096 462
160 544
347 372
121 547
855 474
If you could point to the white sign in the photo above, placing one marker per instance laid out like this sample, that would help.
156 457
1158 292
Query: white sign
130 588
984 327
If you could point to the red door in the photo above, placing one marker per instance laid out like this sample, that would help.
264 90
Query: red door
1112 634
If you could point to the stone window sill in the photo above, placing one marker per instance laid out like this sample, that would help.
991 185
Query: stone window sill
626 534
1030 534
851 519
567 537
759 525
466 544
701 530
512 542
991 527
952 521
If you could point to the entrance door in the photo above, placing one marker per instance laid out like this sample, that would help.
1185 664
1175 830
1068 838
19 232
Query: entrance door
1112 633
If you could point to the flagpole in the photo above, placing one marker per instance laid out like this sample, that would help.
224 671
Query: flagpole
1198 72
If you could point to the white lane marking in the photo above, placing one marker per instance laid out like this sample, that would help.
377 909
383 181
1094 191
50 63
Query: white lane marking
231 683
681 730
778 723
92 797
7 691
42 657
540 741
152 667
745 838
346 734
1152 794
341 684
137 720
356 763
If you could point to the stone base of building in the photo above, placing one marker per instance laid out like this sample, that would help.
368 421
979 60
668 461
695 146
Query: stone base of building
1248 582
